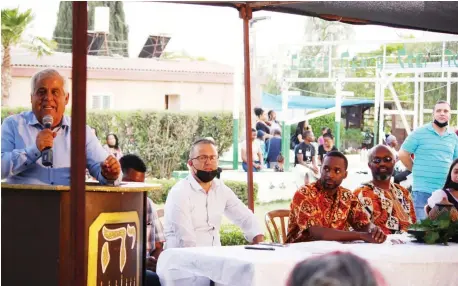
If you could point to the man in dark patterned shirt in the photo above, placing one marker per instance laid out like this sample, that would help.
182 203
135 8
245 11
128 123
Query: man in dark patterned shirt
134 170
326 211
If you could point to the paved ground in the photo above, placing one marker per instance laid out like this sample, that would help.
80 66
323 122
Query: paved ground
281 186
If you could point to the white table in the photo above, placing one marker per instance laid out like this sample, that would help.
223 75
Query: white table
402 264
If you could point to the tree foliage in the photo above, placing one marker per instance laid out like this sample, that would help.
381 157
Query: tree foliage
118 29
14 24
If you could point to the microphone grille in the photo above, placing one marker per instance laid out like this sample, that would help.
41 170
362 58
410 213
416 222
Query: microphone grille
47 120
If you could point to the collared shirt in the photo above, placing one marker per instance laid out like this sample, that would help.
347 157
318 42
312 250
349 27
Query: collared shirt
434 154
21 159
311 206
193 216
391 210
152 221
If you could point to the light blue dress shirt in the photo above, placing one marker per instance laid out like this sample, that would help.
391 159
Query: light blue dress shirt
21 159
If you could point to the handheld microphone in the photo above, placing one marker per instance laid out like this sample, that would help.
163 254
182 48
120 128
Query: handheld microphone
46 154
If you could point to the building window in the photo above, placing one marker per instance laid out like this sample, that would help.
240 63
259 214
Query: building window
102 101
172 102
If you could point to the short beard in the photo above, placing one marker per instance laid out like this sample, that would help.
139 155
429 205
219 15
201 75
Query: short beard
382 177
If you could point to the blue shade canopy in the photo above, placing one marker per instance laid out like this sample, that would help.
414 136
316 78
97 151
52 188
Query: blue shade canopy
270 101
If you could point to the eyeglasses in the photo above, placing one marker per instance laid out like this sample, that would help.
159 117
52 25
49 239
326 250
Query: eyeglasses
379 160
205 158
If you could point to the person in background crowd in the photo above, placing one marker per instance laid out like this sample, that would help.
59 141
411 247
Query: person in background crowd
325 211
195 205
304 161
335 269
258 161
280 162
435 146
324 130
388 205
326 147
24 138
449 192
274 124
112 146
273 148
300 129
392 142
261 141
262 121
134 170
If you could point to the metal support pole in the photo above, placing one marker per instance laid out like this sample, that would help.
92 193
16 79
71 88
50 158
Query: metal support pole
381 122
422 100
246 14
237 90
443 57
78 151
415 103
338 113
449 87
286 130
376 106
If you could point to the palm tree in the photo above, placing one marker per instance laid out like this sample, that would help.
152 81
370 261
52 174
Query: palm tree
14 23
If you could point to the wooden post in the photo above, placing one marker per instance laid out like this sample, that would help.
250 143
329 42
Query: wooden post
246 14
78 146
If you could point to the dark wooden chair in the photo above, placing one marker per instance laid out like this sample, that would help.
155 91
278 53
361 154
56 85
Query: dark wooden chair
277 235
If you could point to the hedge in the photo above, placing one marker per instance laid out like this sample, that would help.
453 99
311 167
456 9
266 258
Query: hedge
232 235
161 138
239 188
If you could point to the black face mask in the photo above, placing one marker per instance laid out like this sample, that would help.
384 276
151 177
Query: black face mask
208 176
452 185
441 125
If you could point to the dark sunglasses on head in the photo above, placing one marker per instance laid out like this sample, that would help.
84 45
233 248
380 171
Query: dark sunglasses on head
379 160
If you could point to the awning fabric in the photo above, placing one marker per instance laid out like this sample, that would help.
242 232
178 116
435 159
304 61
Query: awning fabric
434 16
270 101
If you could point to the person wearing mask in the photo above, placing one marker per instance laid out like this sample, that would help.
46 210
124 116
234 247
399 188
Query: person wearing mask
448 194
388 205
326 147
305 165
435 146
324 130
258 159
274 124
195 205
134 170
325 211
112 146
25 138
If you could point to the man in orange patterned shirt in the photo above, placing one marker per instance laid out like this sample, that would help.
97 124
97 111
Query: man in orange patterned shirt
388 205
325 211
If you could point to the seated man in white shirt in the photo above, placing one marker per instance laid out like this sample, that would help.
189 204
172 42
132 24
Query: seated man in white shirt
196 204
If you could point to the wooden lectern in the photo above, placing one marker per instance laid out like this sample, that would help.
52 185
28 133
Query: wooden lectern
36 234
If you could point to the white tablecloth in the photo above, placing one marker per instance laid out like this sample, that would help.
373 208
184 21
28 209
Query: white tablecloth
401 264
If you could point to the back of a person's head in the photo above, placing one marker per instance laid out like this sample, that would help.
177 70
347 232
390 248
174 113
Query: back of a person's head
334 269
131 161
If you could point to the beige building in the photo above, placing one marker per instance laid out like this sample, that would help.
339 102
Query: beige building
134 83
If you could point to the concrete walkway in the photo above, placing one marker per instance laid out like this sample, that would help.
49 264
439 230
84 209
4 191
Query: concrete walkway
275 186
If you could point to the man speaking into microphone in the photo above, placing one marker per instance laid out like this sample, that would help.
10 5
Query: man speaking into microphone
36 144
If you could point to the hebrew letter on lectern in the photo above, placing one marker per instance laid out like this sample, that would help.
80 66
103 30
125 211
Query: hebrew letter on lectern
115 234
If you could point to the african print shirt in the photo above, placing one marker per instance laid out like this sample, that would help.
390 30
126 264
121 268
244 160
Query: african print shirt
312 206
391 210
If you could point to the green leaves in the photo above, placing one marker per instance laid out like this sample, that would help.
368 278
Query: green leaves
14 24
438 230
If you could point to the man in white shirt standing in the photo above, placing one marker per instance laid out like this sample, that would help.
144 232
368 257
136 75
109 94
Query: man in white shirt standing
196 204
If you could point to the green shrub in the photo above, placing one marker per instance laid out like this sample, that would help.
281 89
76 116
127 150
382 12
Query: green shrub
161 138
239 188
231 235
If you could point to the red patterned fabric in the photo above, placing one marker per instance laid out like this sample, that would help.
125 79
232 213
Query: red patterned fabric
312 206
